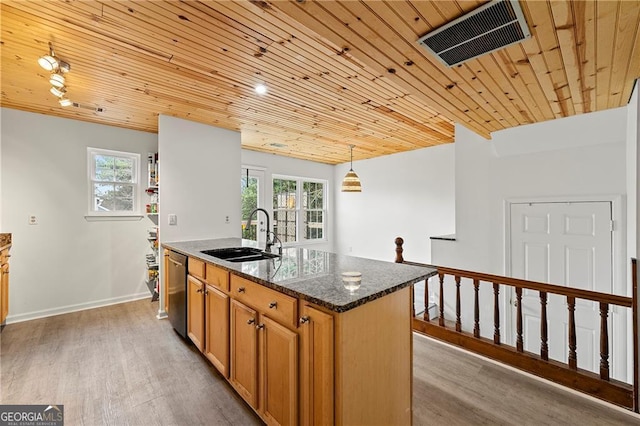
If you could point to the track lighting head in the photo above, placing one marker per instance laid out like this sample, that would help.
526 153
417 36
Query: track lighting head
58 91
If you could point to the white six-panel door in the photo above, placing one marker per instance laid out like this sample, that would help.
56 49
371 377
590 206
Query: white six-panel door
568 244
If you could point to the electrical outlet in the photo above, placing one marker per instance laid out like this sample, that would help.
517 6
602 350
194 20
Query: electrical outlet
226 219
173 219
33 220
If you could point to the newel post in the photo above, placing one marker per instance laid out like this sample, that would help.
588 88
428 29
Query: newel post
399 242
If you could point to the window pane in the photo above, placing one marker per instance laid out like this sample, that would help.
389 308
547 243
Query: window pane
249 194
123 169
103 197
313 195
104 168
284 194
284 225
314 224
123 198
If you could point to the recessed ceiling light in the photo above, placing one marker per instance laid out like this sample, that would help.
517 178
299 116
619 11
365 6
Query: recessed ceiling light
65 102
261 89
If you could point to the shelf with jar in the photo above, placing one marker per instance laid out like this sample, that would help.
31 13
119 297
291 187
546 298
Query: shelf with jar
152 209
153 267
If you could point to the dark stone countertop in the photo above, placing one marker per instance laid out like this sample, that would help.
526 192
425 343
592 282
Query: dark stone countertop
449 237
313 275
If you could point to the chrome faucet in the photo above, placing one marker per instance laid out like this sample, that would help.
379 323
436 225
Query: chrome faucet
269 242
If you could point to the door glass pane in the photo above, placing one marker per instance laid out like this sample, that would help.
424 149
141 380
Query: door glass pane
249 196
284 209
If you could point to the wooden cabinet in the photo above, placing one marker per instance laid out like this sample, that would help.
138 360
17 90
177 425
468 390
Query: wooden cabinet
216 345
278 372
165 281
195 311
264 364
297 363
4 285
316 366
244 352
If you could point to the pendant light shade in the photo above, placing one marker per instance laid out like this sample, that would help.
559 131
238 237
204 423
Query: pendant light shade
351 181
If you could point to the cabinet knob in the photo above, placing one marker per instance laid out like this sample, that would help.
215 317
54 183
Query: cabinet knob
240 289
251 321
259 326
206 292
304 319
199 290
273 305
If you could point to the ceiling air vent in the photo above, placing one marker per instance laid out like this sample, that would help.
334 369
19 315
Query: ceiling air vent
89 107
490 27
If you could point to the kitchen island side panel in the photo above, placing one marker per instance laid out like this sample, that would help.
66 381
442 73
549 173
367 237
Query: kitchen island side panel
373 362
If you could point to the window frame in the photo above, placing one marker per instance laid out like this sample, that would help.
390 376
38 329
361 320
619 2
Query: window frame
300 210
135 182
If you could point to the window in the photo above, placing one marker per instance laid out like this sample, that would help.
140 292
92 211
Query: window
113 182
295 198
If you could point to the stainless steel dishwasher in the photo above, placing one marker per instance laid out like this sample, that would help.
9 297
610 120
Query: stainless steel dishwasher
177 274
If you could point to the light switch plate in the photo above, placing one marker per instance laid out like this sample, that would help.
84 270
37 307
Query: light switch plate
173 219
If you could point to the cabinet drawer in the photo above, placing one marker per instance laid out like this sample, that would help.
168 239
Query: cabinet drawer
275 305
196 268
217 277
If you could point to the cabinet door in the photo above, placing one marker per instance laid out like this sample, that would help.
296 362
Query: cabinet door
165 281
316 369
217 329
278 373
244 352
4 292
195 311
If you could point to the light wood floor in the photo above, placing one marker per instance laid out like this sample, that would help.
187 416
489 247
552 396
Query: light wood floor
119 365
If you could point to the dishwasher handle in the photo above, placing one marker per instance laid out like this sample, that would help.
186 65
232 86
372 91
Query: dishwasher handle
176 262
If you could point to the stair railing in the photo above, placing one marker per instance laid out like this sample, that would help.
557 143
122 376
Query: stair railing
568 374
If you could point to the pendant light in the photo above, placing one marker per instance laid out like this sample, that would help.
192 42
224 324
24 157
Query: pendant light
351 181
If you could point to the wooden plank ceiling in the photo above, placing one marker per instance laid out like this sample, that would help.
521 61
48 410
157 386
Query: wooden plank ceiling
338 73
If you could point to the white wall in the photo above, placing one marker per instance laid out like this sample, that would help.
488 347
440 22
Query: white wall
199 180
565 158
65 262
410 195
574 157
199 169
632 173
278 165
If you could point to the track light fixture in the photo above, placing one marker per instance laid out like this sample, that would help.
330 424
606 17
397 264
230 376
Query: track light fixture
57 68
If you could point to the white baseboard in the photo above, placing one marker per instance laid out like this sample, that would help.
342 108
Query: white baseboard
12 319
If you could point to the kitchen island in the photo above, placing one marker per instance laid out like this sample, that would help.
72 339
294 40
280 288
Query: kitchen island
306 338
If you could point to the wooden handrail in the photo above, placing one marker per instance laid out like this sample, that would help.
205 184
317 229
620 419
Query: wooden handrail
594 296
567 373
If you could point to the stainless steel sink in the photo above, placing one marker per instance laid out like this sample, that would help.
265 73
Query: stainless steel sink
239 254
